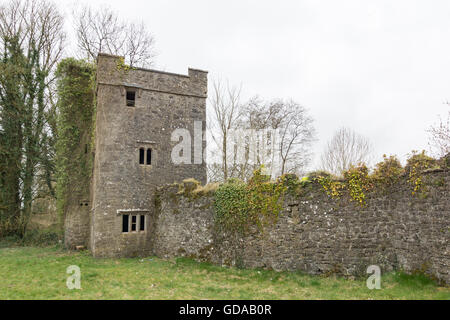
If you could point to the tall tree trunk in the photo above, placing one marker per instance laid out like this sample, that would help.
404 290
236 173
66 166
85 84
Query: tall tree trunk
224 156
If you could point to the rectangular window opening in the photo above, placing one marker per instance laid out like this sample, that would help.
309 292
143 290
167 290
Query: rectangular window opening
125 223
131 98
133 223
141 155
142 223
149 156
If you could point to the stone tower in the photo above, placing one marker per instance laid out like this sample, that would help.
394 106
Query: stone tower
137 112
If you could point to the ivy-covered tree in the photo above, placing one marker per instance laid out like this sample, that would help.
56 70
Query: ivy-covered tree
31 43
12 107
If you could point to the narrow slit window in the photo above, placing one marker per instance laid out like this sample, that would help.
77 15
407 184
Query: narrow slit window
141 155
149 156
133 223
131 98
142 223
125 223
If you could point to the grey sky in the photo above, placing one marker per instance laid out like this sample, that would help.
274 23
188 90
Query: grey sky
379 67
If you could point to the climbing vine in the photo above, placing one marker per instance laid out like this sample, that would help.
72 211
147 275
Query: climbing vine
416 164
388 171
122 66
75 123
332 187
358 183
238 205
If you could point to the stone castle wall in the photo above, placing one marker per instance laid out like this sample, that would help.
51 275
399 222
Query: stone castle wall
164 102
320 235
314 233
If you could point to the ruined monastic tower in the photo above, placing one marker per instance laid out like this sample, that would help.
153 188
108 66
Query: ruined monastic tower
137 112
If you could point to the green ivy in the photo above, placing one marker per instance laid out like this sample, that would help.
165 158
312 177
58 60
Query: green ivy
75 123
415 165
238 206
332 187
388 171
231 207
122 66
358 183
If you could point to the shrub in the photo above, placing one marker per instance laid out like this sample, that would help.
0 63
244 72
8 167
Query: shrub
420 162
388 171
35 237
41 238
358 182
10 226
332 186
416 164
317 174
292 182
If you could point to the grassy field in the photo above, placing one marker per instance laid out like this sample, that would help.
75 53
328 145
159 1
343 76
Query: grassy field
40 273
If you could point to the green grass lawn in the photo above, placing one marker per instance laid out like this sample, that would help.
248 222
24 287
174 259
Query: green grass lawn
40 273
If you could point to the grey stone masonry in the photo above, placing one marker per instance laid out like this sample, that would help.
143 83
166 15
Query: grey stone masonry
121 185
320 235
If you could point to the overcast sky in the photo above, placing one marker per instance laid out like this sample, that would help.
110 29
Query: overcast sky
379 67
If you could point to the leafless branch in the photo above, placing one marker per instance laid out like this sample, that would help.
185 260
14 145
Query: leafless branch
439 137
103 31
345 149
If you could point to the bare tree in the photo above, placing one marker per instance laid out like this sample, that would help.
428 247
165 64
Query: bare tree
294 127
439 139
224 115
103 31
38 27
296 136
345 149
276 134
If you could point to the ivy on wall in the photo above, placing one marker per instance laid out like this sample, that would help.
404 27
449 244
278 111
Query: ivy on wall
416 165
75 123
388 171
238 205
334 188
357 181
121 66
